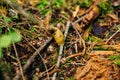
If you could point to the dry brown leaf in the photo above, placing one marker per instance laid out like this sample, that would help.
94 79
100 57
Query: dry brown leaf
86 34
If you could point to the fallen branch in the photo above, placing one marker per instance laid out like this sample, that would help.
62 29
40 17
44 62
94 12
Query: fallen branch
20 66
61 49
77 54
31 59
113 35
50 72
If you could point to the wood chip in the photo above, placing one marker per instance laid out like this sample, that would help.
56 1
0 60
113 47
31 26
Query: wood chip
85 70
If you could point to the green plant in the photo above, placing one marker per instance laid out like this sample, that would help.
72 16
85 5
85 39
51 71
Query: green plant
105 6
71 78
43 4
8 19
57 3
116 59
7 39
0 30
5 68
95 39
33 29
84 3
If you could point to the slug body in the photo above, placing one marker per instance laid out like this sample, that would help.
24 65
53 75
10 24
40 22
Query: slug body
58 35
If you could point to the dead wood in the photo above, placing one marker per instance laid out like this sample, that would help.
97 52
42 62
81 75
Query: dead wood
31 59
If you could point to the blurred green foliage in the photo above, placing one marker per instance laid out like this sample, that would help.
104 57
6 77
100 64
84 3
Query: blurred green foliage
43 4
7 39
116 59
85 3
58 3
105 7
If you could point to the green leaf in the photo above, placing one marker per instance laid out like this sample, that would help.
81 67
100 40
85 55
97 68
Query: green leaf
45 11
117 62
33 29
5 41
71 78
57 3
8 19
85 3
105 6
15 36
113 57
43 4
23 62
0 29
1 54
1 17
95 39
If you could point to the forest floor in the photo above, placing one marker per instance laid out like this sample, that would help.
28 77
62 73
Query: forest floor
60 40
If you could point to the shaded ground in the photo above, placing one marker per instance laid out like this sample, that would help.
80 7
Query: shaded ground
92 35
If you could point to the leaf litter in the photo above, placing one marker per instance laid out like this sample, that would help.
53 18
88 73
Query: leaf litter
92 37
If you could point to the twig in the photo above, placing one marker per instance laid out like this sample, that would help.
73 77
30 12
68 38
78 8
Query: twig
31 59
83 42
76 29
21 69
79 35
77 54
40 57
61 49
78 20
6 75
16 53
84 71
112 36
52 70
